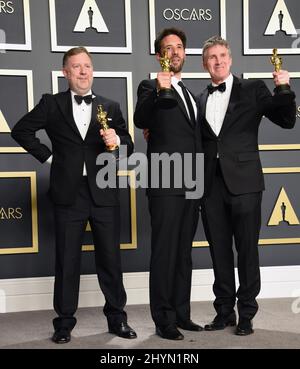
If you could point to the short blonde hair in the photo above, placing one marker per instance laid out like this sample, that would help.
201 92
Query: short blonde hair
75 51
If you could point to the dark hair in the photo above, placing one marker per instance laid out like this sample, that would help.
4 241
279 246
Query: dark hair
167 32
75 51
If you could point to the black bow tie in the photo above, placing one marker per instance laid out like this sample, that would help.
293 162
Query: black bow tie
87 99
211 89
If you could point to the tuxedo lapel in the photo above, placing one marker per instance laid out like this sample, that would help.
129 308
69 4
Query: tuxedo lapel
182 106
94 124
65 105
202 104
234 99
202 111
180 103
94 120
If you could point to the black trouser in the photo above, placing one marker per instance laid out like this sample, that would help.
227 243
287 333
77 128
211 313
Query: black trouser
226 216
70 224
174 220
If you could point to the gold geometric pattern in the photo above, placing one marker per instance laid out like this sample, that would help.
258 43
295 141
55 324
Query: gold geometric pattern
4 128
33 248
283 211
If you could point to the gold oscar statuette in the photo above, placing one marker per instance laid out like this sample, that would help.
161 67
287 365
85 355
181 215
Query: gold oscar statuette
166 98
165 62
103 121
276 60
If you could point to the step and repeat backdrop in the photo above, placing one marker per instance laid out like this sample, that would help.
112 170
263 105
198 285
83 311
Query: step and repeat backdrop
120 34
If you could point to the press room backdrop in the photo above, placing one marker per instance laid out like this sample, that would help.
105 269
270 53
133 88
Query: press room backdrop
33 37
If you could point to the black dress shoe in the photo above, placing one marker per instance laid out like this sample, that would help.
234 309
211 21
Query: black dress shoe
221 322
188 325
122 330
244 328
61 335
169 332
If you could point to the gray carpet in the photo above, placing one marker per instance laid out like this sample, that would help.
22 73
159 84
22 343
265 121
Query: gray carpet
276 326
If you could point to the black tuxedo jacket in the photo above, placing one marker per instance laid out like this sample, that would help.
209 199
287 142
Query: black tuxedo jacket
171 131
54 114
237 143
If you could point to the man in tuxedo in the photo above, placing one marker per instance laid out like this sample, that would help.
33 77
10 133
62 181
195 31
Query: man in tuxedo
231 112
69 119
173 217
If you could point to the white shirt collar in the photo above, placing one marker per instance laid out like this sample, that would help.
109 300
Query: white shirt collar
175 80
228 81
88 93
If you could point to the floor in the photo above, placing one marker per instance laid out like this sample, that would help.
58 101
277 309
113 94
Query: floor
277 325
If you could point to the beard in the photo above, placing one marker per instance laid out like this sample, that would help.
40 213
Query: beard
178 67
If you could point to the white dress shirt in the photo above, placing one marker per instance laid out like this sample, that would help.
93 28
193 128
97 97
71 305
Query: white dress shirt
174 82
217 104
82 116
